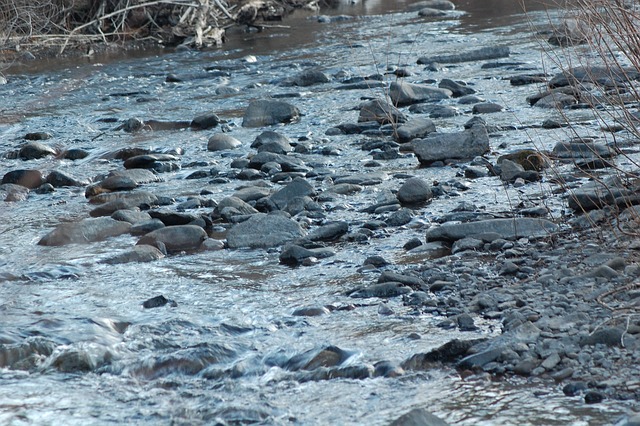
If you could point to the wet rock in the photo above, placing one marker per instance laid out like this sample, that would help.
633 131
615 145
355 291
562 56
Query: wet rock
556 100
264 231
432 250
72 360
382 290
205 121
466 322
381 112
480 359
143 253
466 244
415 283
434 111
267 112
157 302
414 191
37 136
507 229
328 232
124 201
310 311
121 180
418 417
175 238
252 193
59 179
330 356
287 163
581 150
35 150
299 187
511 171
428 12
222 142
85 231
310 77
415 128
571 32
526 366
481 54
376 261
142 228
597 194
272 142
75 154
529 159
448 353
295 255
131 125
486 108
400 217
14 193
593 397
232 206
611 75
523 80
464 145
151 161
432 4
573 389
457 89
171 218
131 216
28 178
404 94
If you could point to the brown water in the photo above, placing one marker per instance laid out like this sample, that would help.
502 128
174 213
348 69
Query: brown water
86 351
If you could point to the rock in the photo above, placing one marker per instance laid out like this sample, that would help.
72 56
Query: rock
75 154
400 217
571 32
434 111
143 253
610 75
428 12
157 302
37 136
35 150
234 205
556 100
507 229
310 311
175 238
263 231
529 159
597 194
447 353
299 187
85 231
381 112
403 94
27 178
149 161
124 201
525 367
418 417
581 150
328 232
295 255
205 121
478 360
384 290
511 171
464 145
611 336
486 108
481 54
329 356
131 216
266 112
15 193
432 4
457 89
593 397
222 142
172 218
466 244
573 389
414 191
523 80
121 180
142 228
287 163
415 128
59 179
272 142
310 77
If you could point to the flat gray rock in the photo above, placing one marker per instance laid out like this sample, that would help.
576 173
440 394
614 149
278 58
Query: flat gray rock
380 111
403 94
464 145
264 231
142 253
507 229
84 232
266 112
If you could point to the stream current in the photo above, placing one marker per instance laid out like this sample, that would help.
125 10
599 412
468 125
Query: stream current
78 348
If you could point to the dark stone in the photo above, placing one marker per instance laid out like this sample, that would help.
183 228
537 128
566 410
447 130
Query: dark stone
478 360
149 161
59 179
37 136
28 178
267 112
271 141
142 253
35 150
611 336
593 397
295 255
448 353
328 232
414 191
205 121
310 77
415 128
157 302
383 290
299 187
573 389
508 229
456 88
176 238
486 108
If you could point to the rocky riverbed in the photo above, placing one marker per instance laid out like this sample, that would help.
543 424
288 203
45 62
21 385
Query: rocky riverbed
400 202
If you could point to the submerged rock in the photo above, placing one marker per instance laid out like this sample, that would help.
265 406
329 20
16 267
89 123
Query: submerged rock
507 229
85 231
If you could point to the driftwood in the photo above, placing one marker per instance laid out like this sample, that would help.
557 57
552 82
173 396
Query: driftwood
197 23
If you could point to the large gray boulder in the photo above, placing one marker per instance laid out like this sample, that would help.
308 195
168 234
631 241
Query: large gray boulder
175 238
508 229
403 94
464 145
266 112
85 231
264 231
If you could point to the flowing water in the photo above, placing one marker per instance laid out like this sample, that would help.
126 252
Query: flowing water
78 348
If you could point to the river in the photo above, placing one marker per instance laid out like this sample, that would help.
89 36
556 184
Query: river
78 348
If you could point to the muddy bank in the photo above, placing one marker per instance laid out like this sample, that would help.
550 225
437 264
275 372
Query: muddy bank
364 220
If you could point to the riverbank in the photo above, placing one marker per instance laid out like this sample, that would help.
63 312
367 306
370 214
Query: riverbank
334 224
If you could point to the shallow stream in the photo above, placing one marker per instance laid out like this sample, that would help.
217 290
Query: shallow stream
88 353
